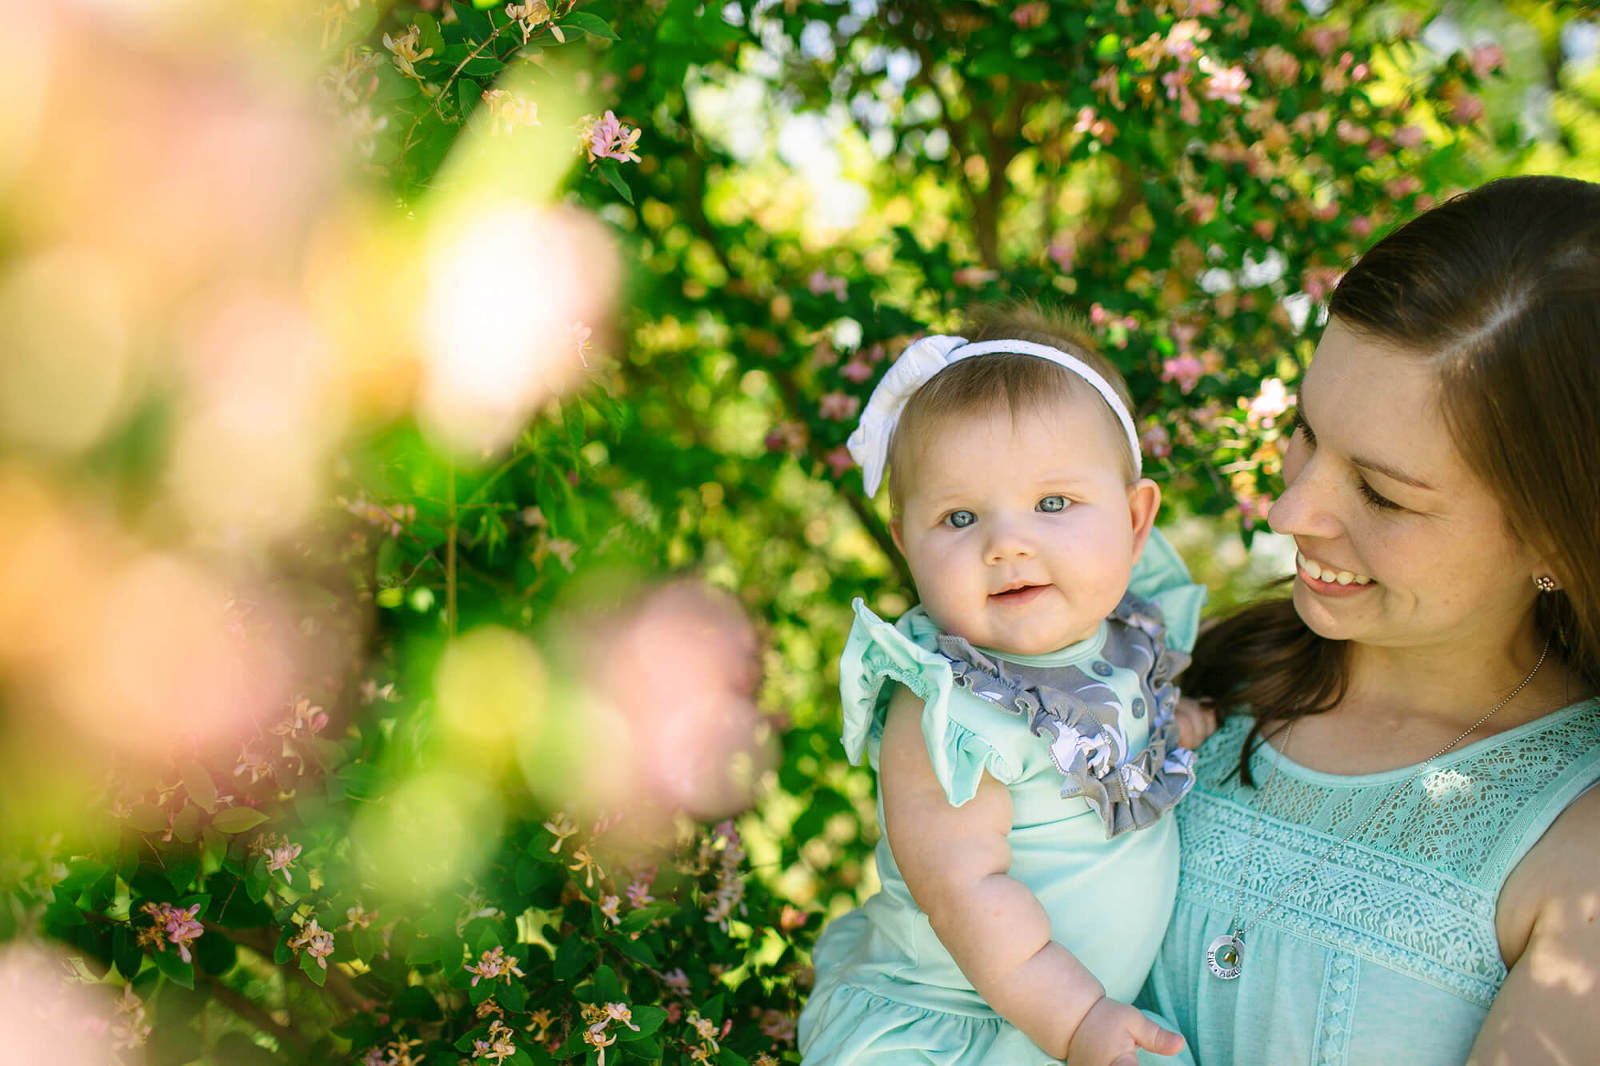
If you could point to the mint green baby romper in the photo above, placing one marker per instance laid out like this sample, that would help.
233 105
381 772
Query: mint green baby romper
1088 835
1387 952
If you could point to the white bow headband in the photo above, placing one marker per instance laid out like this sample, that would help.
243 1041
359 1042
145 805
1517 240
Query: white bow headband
869 444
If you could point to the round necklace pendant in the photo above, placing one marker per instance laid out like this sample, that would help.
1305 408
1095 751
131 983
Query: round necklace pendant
1225 956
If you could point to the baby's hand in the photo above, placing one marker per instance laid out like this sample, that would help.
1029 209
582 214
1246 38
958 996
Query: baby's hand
1196 721
1112 1033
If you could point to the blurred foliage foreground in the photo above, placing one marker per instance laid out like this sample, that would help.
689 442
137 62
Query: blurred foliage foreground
405 408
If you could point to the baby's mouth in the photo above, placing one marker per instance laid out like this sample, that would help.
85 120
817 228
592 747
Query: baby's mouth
1017 592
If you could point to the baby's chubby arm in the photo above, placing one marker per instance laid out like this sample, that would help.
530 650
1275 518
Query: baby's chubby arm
956 862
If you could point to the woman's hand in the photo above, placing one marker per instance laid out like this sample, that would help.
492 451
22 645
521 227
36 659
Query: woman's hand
1196 721
1112 1033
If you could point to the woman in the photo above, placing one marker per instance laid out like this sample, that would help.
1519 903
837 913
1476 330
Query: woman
1390 854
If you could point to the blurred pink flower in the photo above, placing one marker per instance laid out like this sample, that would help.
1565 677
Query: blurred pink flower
1465 108
1201 8
608 138
970 277
838 406
856 370
1280 66
1030 15
1361 227
1408 137
1318 281
1351 132
1224 83
1406 184
839 461
1155 441
1062 251
1272 401
821 281
1324 39
1486 59
314 941
1253 509
1185 370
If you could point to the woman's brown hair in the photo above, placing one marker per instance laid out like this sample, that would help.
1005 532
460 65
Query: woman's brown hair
1499 290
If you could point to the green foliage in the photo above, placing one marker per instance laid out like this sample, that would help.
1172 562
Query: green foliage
1190 176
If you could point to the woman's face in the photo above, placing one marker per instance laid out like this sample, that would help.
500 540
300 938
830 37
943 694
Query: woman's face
1400 545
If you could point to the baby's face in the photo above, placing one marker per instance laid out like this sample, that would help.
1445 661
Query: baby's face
1021 531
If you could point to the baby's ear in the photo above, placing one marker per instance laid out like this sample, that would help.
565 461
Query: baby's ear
894 531
1144 500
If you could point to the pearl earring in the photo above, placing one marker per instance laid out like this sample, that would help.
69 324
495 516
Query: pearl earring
1544 583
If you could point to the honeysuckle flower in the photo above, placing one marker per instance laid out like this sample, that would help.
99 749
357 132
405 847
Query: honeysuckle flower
638 890
1486 59
821 281
561 826
303 719
610 906
314 940
177 925
1155 441
253 763
405 51
509 111
280 857
676 981
608 138
839 460
856 370
494 965
500 1044
532 15
621 1012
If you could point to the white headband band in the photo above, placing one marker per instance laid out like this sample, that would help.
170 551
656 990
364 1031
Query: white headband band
869 444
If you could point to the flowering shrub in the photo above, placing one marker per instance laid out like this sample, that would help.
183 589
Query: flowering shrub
355 719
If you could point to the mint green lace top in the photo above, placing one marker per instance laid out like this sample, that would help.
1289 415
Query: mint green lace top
1386 953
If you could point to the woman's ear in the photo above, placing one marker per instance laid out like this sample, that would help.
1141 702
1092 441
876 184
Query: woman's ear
1144 500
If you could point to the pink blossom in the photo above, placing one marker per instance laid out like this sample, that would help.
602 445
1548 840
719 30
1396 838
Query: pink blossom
1155 441
1408 137
1326 212
1180 42
179 926
1088 121
1486 59
1465 108
1272 401
839 460
1280 66
1403 186
1324 39
1264 228
676 981
1062 252
1031 15
1351 132
1361 227
1253 509
1185 370
838 406
856 370
821 281
280 856
1224 83
1318 281
315 941
1201 8
494 965
970 277
786 437
608 138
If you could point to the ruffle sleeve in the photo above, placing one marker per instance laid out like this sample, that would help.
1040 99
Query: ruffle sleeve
878 653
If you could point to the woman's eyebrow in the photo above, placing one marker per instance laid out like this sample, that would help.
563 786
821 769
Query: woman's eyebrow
1375 465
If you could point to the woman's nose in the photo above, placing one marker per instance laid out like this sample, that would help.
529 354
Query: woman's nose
1305 508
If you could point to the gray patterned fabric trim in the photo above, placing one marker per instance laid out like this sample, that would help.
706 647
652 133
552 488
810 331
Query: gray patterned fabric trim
1079 714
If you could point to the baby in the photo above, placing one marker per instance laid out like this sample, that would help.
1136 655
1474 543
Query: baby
1021 718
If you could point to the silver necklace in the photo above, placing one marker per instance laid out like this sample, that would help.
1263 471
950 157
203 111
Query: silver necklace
1225 954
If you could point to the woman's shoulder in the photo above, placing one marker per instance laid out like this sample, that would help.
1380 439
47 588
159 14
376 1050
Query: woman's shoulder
1554 882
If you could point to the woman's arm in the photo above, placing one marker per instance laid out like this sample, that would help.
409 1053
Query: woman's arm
955 861
1548 919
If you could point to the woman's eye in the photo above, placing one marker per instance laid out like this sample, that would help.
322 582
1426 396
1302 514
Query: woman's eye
1376 499
960 519
1052 504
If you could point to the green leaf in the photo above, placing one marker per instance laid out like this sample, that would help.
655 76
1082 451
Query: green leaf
237 819
311 967
606 985
592 24
572 956
648 1018
197 780
608 170
215 954
174 968
125 951
430 37
148 818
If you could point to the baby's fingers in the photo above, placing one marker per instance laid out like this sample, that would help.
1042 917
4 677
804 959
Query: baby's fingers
1153 1037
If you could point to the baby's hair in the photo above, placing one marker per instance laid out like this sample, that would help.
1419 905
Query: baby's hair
1015 383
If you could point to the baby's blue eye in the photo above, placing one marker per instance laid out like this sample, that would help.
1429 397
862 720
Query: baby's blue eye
1052 504
960 519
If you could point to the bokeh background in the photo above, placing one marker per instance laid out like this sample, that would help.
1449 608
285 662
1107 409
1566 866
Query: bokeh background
425 532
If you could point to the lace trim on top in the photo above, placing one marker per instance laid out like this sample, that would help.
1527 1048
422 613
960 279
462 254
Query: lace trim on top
1416 890
1079 717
